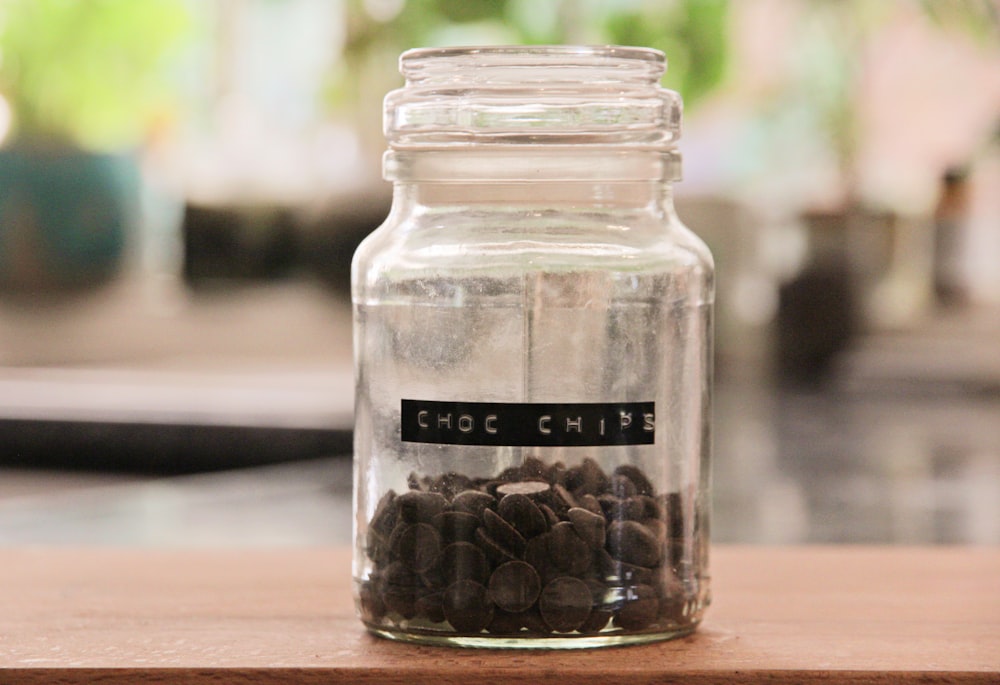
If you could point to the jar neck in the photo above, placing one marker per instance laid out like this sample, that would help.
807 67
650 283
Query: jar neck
525 126
652 197
530 176
531 163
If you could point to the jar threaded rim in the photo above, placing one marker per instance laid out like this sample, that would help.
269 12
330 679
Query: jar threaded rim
504 96
524 64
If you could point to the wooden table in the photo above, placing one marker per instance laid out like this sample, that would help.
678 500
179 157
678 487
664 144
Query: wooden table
781 615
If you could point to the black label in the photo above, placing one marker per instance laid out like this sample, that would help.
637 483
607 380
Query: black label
524 425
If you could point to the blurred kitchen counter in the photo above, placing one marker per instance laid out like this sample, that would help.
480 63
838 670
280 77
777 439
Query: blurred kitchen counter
902 445
790 467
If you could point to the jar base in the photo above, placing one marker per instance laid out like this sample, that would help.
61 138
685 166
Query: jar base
485 641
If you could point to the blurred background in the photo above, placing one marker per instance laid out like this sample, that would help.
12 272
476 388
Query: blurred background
183 182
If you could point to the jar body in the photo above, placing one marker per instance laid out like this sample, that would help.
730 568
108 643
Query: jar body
554 350
533 359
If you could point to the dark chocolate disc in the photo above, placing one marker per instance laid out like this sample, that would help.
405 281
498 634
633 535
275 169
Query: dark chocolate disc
505 623
633 543
456 525
528 488
417 545
636 476
567 550
640 609
565 604
523 514
494 551
430 606
503 532
473 502
467 606
420 507
463 561
514 586
588 525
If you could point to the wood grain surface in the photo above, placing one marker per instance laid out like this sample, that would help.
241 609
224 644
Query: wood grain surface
780 615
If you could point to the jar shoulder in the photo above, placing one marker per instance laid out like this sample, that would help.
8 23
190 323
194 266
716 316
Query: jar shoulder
535 240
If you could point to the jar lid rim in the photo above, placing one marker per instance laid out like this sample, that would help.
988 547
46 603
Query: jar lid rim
537 51
510 95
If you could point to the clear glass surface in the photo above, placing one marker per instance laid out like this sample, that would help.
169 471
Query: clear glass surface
535 283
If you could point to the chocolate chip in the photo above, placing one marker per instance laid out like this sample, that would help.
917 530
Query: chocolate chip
653 508
658 528
382 523
556 473
400 574
596 621
536 553
510 474
490 487
463 561
674 516
532 621
520 512
587 478
640 609
514 586
589 526
384 518
473 502
594 473
456 526
674 602
494 551
617 509
376 546
610 506
590 503
467 606
503 532
415 482
622 487
534 468
505 623
420 507
433 578
400 600
565 604
572 479
621 573
451 483
528 488
371 604
551 518
637 477
599 592
417 545
563 498
633 543
430 606
633 509
568 550
534 550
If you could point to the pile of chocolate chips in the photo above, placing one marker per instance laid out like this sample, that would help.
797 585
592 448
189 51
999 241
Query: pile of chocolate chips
539 549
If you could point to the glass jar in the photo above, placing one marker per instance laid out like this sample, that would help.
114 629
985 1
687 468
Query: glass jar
533 358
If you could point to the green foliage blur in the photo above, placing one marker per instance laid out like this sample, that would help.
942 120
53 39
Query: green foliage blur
692 33
87 72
